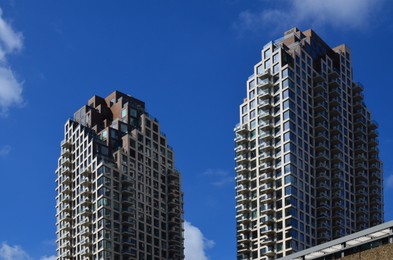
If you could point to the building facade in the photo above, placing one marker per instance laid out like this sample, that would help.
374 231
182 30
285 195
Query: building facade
375 243
307 165
118 192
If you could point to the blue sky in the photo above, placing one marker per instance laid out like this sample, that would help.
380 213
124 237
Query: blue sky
189 61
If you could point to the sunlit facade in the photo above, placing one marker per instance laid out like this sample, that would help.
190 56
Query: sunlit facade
118 192
307 165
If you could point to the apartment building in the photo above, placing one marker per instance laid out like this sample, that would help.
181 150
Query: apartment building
307 165
118 191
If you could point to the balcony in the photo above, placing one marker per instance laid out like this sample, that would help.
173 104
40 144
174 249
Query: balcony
361 175
358 104
241 168
267 188
241 129
322 167
241 199
265 83
335 120
333 74
66 153
266 177
265 115
324 175
335 101
266 167
66 162
266 157
373 125
264 94
323 185
85 182
320 117
241 149
66 144
358 96
320 97
334 86
86 252
242 189
241 209
240 139
266 125
335 110
242 179
321 106
265 198
321 146
264 75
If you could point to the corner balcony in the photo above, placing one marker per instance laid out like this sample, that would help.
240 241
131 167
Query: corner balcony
264 83
66 153
241 199
241 168
242 209
373 133
240 139
241 148
358 104
241 189
241 129
242 179
373 125
66 162
66 144
264 75
358 96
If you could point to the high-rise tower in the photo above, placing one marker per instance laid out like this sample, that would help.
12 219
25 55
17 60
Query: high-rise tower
307 165
118 192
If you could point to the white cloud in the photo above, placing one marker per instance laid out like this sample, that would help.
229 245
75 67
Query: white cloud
283 15
220 177
10 87
52 257
8 252
5 150
195 243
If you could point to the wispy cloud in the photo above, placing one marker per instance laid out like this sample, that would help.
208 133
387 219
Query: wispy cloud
389 182
15 252
52 257
195 243
8 252
219 177
282 15
10 87
5 150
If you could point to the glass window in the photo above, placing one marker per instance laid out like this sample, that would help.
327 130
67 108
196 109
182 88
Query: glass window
275 58
268 63
252 84
267 53
276 68
244 109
